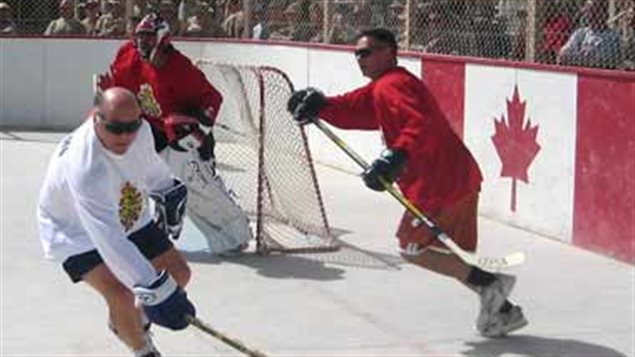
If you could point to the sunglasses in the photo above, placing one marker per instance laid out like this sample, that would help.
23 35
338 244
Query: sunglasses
119 127
365 52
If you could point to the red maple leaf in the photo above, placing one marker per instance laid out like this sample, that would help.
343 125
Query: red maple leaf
515 143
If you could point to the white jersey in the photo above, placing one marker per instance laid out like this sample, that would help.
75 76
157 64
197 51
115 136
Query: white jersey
93 199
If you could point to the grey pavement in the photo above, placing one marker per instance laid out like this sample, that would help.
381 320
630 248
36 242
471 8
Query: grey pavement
360 301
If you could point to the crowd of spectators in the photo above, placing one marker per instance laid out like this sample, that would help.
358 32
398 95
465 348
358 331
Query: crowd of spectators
569 32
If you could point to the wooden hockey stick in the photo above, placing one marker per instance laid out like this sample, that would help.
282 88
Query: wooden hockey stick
237 345
485 263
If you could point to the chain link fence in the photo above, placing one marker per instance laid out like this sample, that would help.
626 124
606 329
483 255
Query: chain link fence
591 33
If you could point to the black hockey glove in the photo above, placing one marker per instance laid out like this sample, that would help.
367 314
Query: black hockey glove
200 114
206 150
305 105
170 208
387 166
164 302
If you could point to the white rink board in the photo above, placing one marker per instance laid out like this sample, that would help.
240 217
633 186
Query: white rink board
49 83
22 89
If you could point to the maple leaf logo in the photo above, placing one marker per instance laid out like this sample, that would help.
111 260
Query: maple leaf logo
515 143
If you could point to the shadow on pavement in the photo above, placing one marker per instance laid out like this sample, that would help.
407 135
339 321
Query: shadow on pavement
280 266
539 347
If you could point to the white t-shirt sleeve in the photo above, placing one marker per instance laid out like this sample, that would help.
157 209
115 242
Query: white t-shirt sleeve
96 202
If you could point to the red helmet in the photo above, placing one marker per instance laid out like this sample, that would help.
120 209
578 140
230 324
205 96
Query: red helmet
151 34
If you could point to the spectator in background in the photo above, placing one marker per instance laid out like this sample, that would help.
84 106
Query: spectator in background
557 29
297 28
105 7
289 32
340 33
438 35
204 23
80 11
170 13
629 47
234 23
361 14
66 24
519 37
433 37
7 26
141 8
261 30
595 45
91 8
514 13
425 21
113 23
187 9
490 32
316 22
394 19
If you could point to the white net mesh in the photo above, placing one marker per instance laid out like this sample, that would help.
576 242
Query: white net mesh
265 160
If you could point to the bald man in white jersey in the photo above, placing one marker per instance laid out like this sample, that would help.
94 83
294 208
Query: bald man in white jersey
95 220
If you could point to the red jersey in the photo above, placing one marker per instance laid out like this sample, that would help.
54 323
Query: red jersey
177 87
439 170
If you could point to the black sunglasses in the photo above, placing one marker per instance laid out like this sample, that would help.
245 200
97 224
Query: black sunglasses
365 52
119 127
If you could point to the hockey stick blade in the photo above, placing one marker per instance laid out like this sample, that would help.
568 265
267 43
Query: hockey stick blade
501 263
489 264
493 264
237 345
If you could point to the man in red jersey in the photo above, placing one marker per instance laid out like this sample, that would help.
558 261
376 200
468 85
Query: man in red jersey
431 165
181 105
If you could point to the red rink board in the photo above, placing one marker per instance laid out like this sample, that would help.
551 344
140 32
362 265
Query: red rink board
604 192
604 200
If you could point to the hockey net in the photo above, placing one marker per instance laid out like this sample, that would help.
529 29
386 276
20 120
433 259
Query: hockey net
265 161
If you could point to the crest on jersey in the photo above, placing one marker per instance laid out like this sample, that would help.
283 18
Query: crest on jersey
148 102
130 205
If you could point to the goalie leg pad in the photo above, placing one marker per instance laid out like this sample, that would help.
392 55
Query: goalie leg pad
210 206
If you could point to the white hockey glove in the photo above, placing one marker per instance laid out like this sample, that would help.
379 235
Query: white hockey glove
170 208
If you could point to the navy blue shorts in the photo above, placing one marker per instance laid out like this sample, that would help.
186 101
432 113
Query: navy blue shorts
150 240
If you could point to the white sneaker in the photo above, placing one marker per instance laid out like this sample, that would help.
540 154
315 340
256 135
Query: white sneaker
504 323
493 297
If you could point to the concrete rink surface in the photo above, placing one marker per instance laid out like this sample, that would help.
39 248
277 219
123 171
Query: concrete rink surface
360 301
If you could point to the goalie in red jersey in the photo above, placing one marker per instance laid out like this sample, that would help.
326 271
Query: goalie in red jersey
181 105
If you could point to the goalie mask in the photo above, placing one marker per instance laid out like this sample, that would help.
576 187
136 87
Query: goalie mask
152 34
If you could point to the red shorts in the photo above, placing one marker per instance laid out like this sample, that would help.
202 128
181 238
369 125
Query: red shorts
457 221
